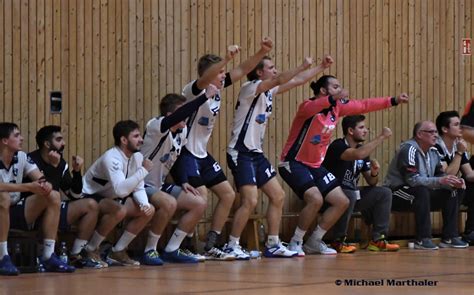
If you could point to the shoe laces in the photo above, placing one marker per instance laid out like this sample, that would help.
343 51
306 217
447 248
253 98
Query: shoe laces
153 254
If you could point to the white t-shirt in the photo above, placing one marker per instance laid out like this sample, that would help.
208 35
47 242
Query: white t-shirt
21 166
162 148
114 175
250 118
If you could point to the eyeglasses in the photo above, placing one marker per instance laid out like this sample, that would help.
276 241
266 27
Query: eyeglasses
432 132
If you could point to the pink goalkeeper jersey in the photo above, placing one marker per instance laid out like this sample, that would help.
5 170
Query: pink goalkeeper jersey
315 121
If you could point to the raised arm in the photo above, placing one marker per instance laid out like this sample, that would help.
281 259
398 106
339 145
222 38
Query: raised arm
244 68
307 75
352 154
283 77
212 72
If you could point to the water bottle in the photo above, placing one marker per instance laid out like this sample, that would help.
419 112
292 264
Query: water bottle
39 265
254 254
17 255
63 253
261 233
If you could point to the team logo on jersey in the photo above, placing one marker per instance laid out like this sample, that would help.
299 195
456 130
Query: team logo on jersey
332 118
15 171
344 100
360 164
260 118
30 160
269 95
316 139
217 97
203 121
115 165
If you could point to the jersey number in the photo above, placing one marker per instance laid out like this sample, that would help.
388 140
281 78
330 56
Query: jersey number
328 178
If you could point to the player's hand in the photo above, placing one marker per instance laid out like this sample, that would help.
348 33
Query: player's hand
402 98
327 61
452 181
461 146
77 163
146 209
307 62
211 90
187 188
232 51
54 158
266 44
374 167
386 132
147 164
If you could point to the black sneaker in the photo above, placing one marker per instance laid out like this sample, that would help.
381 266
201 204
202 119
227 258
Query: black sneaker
469 238
453 243
425 244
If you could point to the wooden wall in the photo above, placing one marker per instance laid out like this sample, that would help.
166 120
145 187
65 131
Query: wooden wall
115 59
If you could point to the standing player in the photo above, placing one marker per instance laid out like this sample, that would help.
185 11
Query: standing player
305 150
195 165
251 170
84 212
22 213
115 180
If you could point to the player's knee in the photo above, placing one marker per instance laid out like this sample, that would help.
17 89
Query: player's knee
249 203
92 206
54 199
4 201
169 205
314 201
228 197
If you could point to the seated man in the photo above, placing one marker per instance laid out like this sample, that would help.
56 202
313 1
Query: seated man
74 210
346 158
22 213
454 159
116 181
418 183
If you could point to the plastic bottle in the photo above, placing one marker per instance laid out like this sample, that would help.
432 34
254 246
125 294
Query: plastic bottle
17 255
261 233
39 265
63 253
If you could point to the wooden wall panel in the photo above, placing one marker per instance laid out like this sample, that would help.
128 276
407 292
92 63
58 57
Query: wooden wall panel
115 59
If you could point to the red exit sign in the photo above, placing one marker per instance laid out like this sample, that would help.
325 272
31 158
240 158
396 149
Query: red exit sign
466 46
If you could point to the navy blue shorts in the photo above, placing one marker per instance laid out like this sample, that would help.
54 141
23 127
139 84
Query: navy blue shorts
301 178
99 198
63 225
250 168
17 216
199 171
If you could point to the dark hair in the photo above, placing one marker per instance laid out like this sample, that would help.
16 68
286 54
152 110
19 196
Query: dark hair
46 134
6 129
123 128
169 103
322 82
351 122
252 75
443 120
206 61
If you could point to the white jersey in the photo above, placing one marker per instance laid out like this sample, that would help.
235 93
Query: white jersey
201 123
20 166
250 118
114 175
162 148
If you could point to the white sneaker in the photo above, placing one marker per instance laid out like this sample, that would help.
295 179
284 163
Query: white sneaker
237 251
297 246
218 254
318 247
199 257
279 250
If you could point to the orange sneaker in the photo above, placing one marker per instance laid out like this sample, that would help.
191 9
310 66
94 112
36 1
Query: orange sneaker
343 247
382 245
